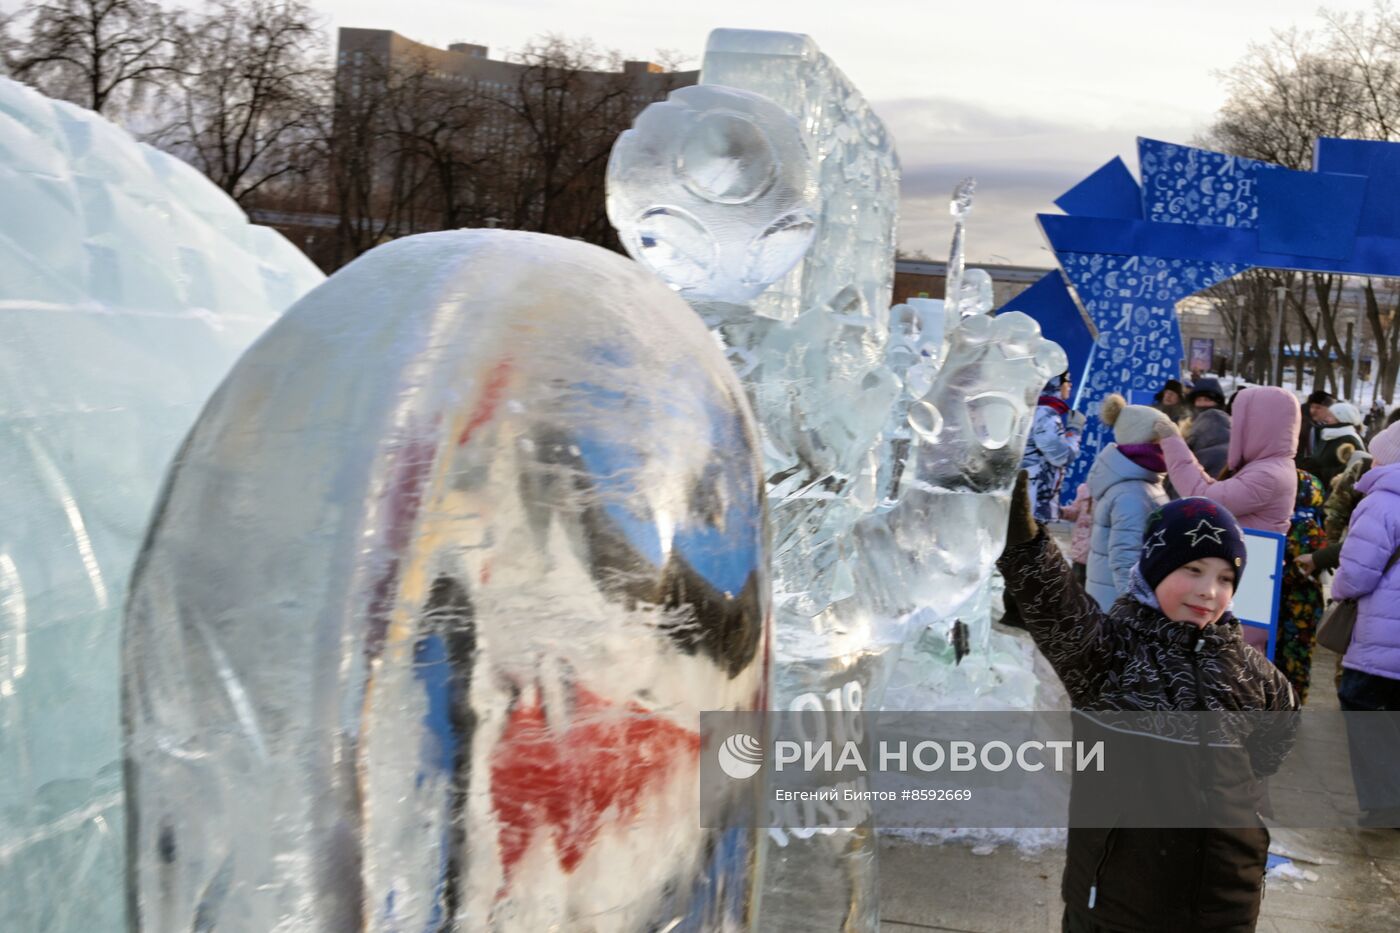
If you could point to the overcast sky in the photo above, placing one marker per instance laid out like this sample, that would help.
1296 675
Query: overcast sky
1028 96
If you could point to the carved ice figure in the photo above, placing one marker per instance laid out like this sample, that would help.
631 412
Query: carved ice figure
714 192
934 547
871 520
129 284
437 588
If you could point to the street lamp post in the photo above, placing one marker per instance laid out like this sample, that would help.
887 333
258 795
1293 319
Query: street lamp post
1280 293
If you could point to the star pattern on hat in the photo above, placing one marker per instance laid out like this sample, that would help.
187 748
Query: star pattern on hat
1154 542
1205 531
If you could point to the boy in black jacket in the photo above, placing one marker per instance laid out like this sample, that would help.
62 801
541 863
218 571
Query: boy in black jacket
1170 645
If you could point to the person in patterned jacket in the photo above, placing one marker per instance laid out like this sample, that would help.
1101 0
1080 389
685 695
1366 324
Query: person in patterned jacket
1301 611
1169 645
1052 446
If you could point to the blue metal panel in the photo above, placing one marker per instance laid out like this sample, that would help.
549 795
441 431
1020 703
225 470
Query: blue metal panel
1111 191
1309 213
1186 185
1380 162
1049 302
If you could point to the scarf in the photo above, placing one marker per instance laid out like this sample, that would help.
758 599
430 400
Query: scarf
1340 430
1147 456
1055 402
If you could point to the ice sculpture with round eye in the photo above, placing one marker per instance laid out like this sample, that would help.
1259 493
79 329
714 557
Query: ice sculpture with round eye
713 190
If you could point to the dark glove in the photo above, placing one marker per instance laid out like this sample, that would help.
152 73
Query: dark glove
1020 524
1076 421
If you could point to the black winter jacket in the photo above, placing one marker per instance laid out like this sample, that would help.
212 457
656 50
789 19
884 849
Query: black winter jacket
1328 461
1133 658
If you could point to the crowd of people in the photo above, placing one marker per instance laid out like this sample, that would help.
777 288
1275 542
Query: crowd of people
1156 552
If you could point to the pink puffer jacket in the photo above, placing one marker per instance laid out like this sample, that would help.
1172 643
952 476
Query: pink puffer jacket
1263 440
1081 512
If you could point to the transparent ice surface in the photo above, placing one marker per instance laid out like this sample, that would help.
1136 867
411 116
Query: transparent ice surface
850 263
713 190
959 207
438 586
128 286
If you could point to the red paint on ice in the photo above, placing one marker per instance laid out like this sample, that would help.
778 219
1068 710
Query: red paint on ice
565 783
491 395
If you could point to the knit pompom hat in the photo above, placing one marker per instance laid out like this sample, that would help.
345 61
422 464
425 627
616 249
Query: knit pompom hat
1189 529
1132 424
1385 446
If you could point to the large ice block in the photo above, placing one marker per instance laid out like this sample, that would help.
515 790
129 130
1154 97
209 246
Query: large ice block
129 284
436 591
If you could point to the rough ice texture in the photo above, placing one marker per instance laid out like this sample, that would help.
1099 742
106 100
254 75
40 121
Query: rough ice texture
437 589
887 473
128 286
850 265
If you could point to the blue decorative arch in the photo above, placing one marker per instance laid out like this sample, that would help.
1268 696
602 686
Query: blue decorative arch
1130 250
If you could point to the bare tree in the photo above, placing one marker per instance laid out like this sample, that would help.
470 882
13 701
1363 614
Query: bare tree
9 45
406 152
93 52
567 107
243 110
1342 81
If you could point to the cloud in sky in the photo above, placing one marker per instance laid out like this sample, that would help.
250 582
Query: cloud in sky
1021 165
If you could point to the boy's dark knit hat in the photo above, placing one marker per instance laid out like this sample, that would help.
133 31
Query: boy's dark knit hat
1189 529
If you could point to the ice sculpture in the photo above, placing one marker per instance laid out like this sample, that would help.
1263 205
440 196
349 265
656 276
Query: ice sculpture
872 521
437 588
960 206
741 207
128 286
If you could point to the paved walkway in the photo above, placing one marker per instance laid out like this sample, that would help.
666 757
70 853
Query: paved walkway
928 887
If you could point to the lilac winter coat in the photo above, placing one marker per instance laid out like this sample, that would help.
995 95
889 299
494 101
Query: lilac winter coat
1372 538
1264 481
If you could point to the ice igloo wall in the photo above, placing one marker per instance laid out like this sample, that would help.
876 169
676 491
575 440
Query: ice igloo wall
129 284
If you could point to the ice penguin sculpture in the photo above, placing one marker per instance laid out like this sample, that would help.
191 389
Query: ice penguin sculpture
436 590
766 196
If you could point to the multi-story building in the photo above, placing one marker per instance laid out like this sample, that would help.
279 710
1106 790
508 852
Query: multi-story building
528 142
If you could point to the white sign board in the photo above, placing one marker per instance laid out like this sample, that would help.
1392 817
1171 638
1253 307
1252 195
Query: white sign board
1257 598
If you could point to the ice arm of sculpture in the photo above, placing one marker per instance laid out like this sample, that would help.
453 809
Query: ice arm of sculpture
973 422
937 544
